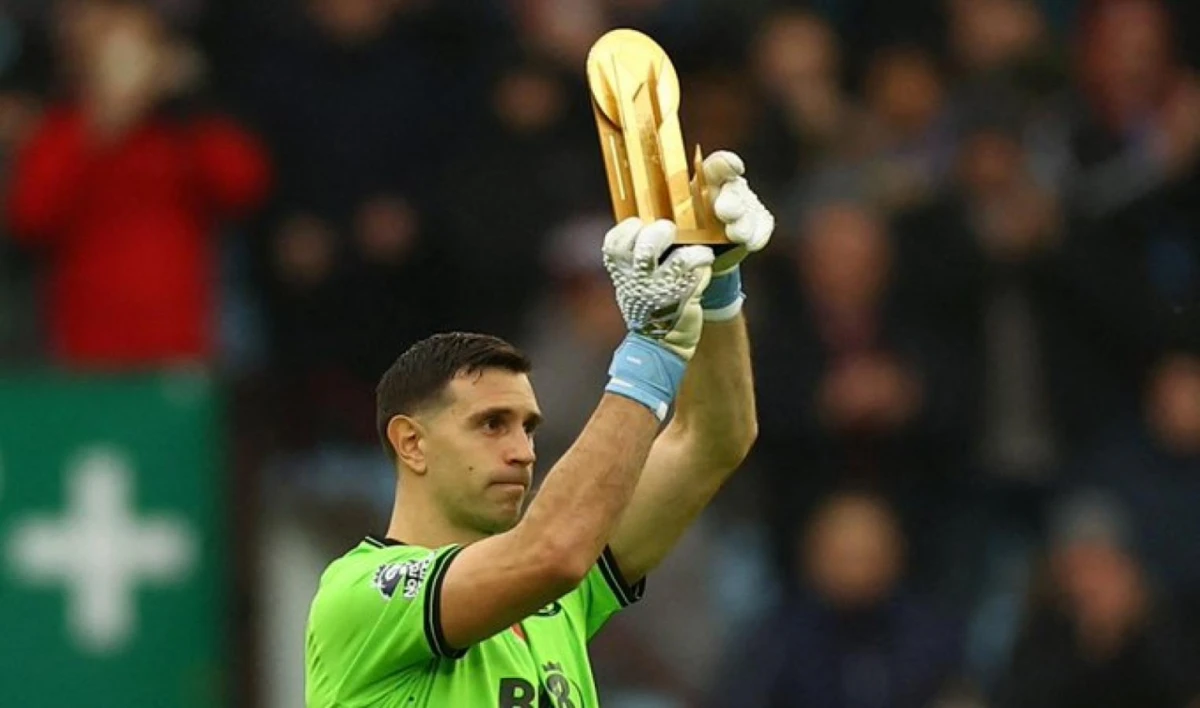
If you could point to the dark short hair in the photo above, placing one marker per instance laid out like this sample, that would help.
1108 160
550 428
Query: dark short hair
420 375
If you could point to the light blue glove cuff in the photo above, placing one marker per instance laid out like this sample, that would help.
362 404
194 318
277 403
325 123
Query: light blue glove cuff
646 372
722 299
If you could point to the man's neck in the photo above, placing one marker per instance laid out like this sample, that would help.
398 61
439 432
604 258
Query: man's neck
419 522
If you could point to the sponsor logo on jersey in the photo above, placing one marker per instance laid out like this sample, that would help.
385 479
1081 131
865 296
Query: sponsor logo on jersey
406 577
556 690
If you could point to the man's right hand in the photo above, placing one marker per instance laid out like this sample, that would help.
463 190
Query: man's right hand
660 303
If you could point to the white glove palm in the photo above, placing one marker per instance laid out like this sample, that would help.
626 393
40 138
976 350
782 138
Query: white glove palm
748 224
658 301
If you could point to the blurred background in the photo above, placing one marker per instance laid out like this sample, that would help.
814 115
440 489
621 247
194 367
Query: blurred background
977 333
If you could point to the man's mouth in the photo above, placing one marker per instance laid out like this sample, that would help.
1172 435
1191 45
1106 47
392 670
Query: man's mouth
510 482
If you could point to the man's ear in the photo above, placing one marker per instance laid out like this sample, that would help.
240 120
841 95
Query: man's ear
407 436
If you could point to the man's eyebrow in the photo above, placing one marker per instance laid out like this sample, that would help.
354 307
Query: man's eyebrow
532 419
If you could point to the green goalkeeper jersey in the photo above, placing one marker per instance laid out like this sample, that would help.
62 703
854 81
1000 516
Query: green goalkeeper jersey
374 638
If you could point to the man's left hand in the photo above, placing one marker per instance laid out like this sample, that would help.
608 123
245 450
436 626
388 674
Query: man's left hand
748 226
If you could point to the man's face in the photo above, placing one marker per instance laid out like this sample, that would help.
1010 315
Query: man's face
844 258
479 449
1174 405
352 22
854 552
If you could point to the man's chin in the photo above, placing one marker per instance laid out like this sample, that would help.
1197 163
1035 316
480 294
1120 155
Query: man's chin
499 524
504 519
505 505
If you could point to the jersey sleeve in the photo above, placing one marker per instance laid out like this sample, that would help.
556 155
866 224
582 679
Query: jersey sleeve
603 593
374 619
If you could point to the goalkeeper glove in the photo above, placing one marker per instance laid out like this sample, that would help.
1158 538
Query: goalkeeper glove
748 225
660 304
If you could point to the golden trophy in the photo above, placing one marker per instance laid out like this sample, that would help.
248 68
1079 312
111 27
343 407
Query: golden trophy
635 99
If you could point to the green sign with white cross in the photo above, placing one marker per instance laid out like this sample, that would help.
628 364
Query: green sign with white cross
110 542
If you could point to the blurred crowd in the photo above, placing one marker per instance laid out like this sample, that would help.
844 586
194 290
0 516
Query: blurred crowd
976 331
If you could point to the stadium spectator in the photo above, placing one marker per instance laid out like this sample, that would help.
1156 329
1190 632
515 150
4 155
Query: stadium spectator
806 119
1151 464
854 637
122 196
863 392
1096 632
347 100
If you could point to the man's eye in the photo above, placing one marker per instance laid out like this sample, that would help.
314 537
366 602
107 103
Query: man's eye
493 424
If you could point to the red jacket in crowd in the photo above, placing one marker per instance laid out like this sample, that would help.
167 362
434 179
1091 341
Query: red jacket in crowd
128 228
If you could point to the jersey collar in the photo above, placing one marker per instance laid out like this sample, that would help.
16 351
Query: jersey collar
382 541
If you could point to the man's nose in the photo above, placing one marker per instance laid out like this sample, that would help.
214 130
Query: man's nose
521 450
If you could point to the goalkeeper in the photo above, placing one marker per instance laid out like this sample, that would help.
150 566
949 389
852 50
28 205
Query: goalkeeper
467 603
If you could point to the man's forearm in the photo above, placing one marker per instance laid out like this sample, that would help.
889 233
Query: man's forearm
585 493
712 430
715 411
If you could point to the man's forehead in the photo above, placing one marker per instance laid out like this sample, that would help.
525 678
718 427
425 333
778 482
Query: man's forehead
492 387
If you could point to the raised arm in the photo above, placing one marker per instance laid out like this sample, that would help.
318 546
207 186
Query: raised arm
707 439
715 422
50 176
503 579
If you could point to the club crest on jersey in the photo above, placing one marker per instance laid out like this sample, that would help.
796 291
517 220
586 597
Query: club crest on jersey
406 576
549 610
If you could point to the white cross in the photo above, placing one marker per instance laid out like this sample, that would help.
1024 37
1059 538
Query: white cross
99 550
